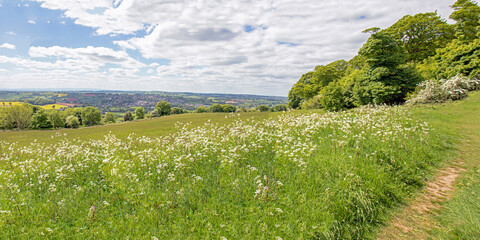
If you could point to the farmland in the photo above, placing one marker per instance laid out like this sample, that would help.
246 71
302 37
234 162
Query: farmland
250 175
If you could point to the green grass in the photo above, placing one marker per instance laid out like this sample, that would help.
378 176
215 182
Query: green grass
296 175
460 217
147 127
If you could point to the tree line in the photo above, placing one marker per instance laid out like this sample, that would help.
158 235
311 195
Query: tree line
395 60
27 116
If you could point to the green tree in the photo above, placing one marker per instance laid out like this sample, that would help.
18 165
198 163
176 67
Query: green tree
128 116
110 118
91 116
215 108
155 113
279 108
467 16
201 109
332 98
19 116
77 112
40 120
177 110
55 117
385 80
263 108
163 108
139 113
421 34
72 122
457 58
229 108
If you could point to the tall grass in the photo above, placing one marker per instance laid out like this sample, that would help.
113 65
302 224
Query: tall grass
309 175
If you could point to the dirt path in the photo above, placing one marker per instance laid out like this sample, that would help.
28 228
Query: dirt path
412 221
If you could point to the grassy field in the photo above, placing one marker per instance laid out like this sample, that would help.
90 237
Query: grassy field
460 217
295 175
49 106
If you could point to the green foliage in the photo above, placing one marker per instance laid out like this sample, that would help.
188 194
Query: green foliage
72 122
279 108
201 109
127 116
215 108
263 108
312 103
177 110
139 113
155 113
229 108
56 118
385 80
457 58
17 116
420 35
163 108
467 16
110 118
332 98
40 120
90 116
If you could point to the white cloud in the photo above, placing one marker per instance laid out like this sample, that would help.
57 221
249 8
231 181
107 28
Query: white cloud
209 49
11 33
32 22
8 46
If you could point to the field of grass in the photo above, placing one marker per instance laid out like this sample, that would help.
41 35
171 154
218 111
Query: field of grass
294 175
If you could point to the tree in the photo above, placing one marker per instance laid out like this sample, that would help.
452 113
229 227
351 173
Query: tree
40 120
55 117
163 108
229 108
385 80
332 98
155 113
467 16
263 108
177 110
19 116
72 122
457 58
201 109
215 108
77 112
279 108
128 116
139 113
91 116
110 118
420 35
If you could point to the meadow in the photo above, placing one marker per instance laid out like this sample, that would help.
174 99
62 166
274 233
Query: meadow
221 176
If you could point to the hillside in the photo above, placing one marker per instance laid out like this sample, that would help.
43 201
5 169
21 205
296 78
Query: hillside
296 175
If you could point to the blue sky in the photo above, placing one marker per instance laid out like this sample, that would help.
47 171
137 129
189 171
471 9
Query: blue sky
226 46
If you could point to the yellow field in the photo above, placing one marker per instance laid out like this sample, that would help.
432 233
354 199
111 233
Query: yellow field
62 95
7 104
50 106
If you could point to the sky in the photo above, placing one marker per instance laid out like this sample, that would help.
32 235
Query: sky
207 46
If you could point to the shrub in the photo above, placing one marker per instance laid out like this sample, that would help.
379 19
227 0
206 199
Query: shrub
72 122
279 108
263 108
312 103
110 118
139 113
154 113
128 116
229 108
177 110
201 109
91 116
163 108
40 120
215 108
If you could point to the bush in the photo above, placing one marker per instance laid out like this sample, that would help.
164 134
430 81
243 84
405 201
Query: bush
128 116
154 113
332 97
229 108
263 108
177 110
40 120
139 113
312 103
455 88
163 108
280 108
72 122
90 116
201 109
215 108
110 118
